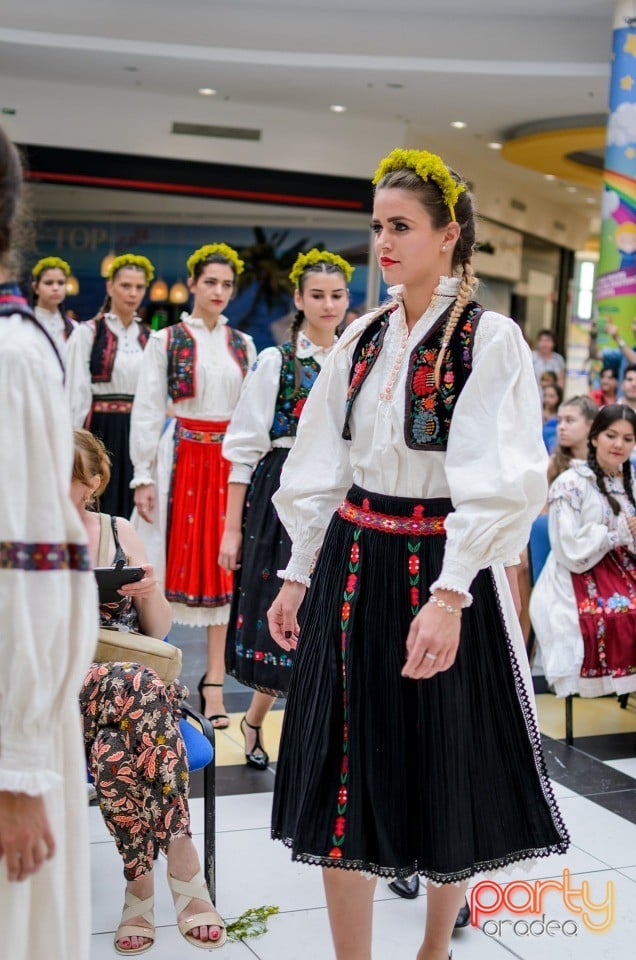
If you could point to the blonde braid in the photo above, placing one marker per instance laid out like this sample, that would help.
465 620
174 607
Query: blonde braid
467 286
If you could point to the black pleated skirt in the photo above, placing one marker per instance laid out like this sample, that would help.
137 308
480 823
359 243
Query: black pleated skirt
113 429
250 654
444 777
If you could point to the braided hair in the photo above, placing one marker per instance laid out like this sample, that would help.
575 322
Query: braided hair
322 266
602 421
433 201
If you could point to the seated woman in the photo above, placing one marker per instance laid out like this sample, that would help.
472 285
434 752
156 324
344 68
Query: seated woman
583 606
134 748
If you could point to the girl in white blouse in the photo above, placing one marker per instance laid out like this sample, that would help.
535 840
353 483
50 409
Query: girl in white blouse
180 476
409 742
103 364
48 282
583 606
261 433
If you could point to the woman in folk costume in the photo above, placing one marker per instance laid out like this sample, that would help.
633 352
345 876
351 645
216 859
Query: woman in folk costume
48 633
583 606
103 364
180 477
261 433
410 742
48 282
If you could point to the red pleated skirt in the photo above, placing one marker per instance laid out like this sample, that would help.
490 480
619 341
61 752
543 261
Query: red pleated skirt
196 516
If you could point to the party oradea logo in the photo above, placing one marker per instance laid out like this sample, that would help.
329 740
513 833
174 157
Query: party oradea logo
530 902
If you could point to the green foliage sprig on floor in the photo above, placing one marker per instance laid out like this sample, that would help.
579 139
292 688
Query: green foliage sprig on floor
252 923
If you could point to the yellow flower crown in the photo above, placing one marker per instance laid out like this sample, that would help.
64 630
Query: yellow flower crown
314 256
132 260
211 248
50 263
428 166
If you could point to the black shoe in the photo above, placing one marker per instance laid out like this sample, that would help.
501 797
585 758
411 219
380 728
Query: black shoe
463 917
408 889
258 760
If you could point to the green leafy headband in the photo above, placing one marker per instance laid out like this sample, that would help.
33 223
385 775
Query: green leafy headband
132 260
428 166
209 250
50 263
314 256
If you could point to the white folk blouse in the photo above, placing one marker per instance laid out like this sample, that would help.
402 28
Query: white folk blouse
125 368
494 469
583 529
54 325
247 439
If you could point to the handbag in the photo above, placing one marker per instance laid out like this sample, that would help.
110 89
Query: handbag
115 644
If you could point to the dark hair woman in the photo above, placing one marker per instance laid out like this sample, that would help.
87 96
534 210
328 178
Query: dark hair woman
261 433
180 477
47 632
48 284
412 494
583 606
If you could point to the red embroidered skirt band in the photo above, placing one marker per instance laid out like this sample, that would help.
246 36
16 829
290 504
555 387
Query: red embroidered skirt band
112 404
201 431
416 525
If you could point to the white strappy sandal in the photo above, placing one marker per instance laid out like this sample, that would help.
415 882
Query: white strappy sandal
183 892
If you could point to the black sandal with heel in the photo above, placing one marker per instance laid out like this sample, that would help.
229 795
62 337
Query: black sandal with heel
214 717
258 760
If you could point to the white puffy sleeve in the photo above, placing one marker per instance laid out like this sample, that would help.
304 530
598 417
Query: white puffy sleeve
247 437
577 539
496 461
317 472
149 409
78 374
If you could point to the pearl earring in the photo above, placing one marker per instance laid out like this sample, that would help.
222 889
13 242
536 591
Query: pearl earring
444 249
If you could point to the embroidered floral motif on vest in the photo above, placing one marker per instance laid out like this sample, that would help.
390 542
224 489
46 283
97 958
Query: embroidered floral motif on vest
104 350
181 351
238 348
291 400
365 354
428 409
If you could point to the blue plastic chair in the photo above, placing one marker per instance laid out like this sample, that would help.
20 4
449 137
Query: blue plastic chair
539 546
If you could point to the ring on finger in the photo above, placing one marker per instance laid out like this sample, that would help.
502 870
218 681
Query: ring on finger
431 656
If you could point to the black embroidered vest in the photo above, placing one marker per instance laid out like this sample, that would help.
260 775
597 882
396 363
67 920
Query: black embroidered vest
12 301
291 400
428 409
102 359
182 352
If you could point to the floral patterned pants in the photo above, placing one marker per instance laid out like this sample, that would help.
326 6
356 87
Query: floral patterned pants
137 758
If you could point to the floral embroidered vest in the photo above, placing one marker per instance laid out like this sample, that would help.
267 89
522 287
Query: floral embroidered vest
291 399
428 409
12 301
182 353
104 350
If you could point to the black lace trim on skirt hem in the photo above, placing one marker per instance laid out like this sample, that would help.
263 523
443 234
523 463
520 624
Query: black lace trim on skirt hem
403 873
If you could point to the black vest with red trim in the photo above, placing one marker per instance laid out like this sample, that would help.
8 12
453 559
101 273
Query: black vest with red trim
182 351
428 409
102 359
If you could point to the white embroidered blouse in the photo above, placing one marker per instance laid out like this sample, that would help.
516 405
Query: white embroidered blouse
126 366
247 439
218 380
494 469
54 325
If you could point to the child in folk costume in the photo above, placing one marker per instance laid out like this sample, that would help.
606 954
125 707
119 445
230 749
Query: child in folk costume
261 433
180 477
48 282
410 742
103 364
583 605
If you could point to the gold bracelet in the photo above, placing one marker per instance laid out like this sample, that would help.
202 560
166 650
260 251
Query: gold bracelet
455 611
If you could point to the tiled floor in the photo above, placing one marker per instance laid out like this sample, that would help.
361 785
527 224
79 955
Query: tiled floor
595 783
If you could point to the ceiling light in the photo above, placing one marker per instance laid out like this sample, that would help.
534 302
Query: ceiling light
338 108
494 145
458 124
590 199
571 189
206 91
550 176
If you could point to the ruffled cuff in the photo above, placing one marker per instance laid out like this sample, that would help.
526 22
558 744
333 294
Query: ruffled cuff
142 477
512 562
240 473
23 766
32 783
298 570
457 577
